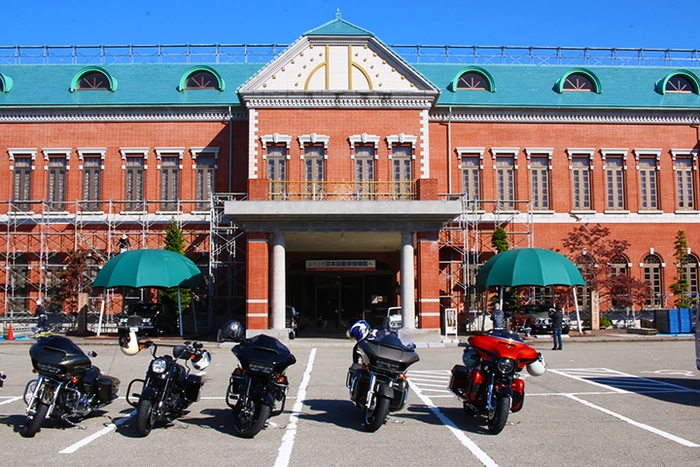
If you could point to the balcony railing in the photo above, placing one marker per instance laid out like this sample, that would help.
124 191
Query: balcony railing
279 190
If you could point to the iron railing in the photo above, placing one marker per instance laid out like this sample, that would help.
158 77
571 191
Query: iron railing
263 53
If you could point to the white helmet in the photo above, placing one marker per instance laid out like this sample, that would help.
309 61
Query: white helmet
538 367
359 331
203 361
128 341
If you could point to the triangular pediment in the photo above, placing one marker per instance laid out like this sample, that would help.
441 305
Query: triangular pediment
338 58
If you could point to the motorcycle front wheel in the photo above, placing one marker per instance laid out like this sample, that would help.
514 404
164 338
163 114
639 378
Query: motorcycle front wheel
375 417
144 417
498 416
34 422
250 417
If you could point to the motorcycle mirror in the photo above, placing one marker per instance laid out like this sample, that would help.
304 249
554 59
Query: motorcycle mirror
188 342
92 354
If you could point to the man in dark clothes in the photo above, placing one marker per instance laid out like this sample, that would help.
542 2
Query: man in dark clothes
557 317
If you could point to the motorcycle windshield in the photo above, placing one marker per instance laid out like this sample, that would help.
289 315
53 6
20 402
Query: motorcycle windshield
387 344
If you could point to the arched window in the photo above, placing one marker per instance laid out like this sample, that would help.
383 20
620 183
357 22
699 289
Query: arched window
651 267
473 82
201 78
93 78
5 83
473 79
690 274
678 82
578 80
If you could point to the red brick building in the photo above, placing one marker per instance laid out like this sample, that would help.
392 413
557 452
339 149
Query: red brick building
343 175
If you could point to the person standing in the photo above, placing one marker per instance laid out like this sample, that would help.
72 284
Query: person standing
40 313
497 317
557 318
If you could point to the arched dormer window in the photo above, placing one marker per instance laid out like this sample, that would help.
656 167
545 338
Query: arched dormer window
93 78
5 83
201 78
578 80
679 82
473 79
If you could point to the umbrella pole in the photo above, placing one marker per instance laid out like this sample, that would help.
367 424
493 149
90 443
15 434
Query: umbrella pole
179 308
578 316
102 311
500 297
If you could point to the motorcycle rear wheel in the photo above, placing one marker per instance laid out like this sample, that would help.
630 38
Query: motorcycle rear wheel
498 416
250 417
34 423
145 418
374 418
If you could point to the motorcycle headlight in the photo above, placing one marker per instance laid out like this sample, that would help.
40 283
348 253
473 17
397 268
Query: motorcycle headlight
158 366
506 366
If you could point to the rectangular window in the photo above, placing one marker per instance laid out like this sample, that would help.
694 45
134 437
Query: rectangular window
169 183
615 185
92 183
56 190
648 184
471 178
204 176
401 168
685 183
22 183
539 182
581 182
134 183
313 171
364 171
505 181
277 170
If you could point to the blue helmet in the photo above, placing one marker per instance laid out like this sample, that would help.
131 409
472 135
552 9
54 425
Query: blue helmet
360 330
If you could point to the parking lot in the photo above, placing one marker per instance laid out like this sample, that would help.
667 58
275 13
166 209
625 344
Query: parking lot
625 403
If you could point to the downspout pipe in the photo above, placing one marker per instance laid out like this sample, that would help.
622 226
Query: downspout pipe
230 150
449 151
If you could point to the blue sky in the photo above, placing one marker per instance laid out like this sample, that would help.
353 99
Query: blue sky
593 23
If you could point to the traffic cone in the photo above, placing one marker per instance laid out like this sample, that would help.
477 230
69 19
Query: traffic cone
10 333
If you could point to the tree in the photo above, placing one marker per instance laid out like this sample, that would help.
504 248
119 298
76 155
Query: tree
174 241
680 285
499 239
73 281
593 251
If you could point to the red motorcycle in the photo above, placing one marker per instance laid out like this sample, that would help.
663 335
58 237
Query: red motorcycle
488 383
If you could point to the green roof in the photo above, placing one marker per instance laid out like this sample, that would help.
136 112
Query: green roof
338 27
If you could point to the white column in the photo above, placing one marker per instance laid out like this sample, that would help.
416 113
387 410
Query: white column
279 289
408 300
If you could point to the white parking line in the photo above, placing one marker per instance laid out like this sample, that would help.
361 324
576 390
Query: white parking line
74 447
466 442
12 399
643 426
285 451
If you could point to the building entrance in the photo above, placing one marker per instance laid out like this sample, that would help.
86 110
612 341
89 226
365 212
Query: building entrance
330 302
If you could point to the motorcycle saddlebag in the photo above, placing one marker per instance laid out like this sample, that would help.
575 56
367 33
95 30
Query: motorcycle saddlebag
458 380
192 385
107 388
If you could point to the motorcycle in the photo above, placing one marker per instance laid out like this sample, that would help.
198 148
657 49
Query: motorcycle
169 388
257 388
378 385
488 383
69 386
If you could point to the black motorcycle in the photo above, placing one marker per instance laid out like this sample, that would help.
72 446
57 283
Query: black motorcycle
169 388
257 389
69 386
378 383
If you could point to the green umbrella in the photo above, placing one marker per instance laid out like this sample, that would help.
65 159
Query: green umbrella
529 267
149 268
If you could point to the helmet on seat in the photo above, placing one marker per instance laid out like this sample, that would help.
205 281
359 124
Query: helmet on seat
231 330
203 361
128 341
538 367
360 330
471 358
